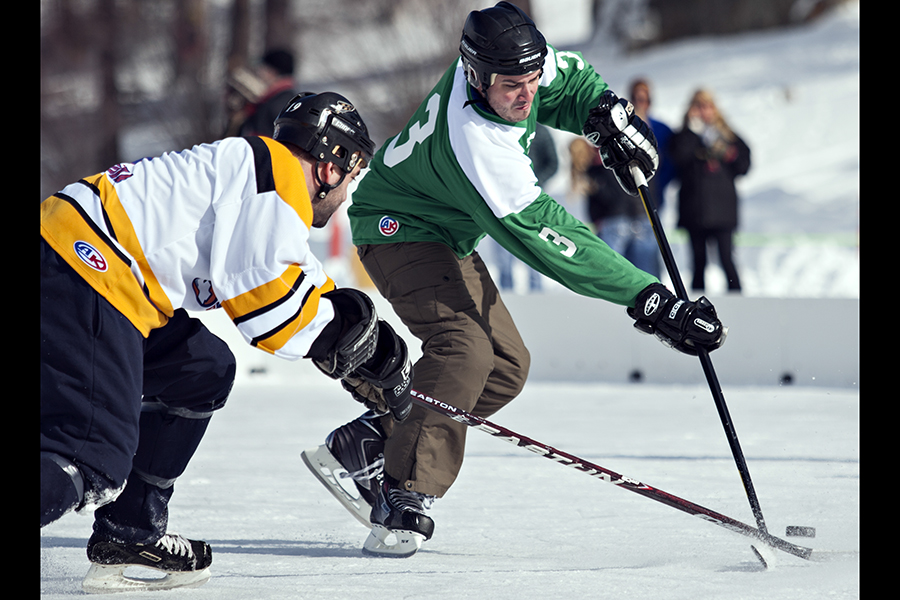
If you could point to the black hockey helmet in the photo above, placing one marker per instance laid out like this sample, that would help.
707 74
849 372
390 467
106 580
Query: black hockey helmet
500 40
327 126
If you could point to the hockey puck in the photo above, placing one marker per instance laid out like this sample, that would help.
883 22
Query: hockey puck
798 531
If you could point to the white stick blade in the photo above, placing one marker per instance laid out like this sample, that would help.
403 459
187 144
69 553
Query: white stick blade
765 554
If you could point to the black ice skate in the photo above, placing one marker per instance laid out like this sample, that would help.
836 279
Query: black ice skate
349 463
183 563
399 523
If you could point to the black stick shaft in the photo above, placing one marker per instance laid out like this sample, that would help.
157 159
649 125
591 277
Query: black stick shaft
708 370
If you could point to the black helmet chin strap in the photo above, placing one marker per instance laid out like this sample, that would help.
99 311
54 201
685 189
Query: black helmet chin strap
324 188
481 100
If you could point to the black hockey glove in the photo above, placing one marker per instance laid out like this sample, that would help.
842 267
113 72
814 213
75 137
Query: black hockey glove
679 324
622 139
358 337
608 118
384 382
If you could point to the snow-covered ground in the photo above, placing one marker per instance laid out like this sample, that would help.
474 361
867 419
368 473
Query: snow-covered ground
519 526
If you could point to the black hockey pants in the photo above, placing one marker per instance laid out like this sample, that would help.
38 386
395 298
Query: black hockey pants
116 406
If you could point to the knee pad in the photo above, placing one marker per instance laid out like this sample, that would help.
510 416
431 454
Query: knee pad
186 365
62 487
169 436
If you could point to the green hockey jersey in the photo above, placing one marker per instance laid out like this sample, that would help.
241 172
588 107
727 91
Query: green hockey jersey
458 172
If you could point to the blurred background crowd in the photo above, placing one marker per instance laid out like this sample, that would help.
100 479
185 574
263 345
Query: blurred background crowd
123 80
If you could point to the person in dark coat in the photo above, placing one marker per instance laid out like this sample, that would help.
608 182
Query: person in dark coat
619 219
256 98
709 156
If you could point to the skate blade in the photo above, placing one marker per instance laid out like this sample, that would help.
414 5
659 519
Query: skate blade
393 544
107 579
327 470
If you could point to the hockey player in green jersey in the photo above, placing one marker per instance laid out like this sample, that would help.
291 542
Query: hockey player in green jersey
457 172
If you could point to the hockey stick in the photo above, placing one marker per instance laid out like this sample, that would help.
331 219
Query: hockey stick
711 378
604 474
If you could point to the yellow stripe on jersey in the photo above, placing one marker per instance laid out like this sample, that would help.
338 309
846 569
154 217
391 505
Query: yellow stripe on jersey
126 236
100 264
264 297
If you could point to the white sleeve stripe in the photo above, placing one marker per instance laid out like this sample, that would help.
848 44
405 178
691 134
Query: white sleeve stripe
550 68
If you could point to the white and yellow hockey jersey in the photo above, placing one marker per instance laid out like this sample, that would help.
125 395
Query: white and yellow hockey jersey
222 224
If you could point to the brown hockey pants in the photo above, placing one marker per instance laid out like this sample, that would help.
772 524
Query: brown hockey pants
473 356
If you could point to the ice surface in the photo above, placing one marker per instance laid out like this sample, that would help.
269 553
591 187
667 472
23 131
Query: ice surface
516 525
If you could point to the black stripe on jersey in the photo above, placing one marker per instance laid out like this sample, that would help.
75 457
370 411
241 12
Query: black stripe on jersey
106 220
276 303
262 160
90 223
255 341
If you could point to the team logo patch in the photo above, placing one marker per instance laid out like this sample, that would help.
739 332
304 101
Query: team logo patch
341 107
91 256
388 226
205 294
119 173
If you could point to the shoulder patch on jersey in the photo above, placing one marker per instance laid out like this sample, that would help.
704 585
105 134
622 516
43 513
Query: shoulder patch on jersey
120 172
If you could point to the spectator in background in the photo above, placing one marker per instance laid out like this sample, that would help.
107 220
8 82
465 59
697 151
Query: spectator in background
709 156
545 161
257 98
640 98
543 155
619 219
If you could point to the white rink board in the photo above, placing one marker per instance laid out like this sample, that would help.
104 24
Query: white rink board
572 338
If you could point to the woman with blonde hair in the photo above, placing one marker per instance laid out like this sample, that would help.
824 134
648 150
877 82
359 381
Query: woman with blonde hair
709 156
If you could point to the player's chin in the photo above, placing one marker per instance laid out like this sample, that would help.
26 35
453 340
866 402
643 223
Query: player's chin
321 220
520 113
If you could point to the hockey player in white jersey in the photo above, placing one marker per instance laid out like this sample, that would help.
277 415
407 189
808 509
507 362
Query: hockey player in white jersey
129 381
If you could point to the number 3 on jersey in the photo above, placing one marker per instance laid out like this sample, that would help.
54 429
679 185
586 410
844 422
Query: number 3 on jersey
548 235
394 154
